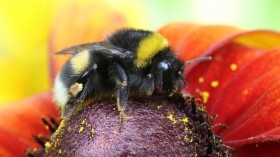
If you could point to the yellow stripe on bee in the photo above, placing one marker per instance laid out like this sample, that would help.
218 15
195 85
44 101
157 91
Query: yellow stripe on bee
148 48
80 61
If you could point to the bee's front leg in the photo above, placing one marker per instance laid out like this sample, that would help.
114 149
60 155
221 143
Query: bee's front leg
147 86
162 77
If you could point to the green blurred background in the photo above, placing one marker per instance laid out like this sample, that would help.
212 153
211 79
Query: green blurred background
25 27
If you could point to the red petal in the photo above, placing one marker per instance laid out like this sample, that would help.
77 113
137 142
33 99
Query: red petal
22 119
244 90
77 23
259 150
218 71
245 97
257 113
249 84
175 32
247 100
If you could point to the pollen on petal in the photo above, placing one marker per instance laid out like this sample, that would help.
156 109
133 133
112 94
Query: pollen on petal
245 92
233 66
47 127
214 84
200 80
205 96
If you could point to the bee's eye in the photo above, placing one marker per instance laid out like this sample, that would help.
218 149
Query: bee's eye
164 66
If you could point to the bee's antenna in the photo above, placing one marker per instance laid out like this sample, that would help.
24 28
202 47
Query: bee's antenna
197 60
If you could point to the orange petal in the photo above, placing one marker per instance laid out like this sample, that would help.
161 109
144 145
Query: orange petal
76 23
22 119
176 32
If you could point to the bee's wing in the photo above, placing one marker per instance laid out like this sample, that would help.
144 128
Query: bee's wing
106 48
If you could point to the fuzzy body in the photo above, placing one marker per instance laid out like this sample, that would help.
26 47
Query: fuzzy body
129 63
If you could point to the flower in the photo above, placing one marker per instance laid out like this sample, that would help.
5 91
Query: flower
20 120
240 85
152 127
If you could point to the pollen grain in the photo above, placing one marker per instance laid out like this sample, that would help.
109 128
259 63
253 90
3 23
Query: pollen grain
200 80
214 84
205 96
233 67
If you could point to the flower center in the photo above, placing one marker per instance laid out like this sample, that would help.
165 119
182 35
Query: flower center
152 127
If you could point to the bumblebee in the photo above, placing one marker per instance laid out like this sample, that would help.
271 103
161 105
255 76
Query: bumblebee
128 63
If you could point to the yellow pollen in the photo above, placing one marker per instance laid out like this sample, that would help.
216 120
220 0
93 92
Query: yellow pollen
185 120
245 92
205 96
47 144
159 107
200 79
172 118
81 129
233 67
59 151
84 121
214 84
47 127
92 132
76 88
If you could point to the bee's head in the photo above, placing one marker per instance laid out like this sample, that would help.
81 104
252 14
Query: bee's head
168 71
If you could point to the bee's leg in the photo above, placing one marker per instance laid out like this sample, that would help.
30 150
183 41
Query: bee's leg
121 81
87 85
93 85
147 87
177 83
181 76
162 74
